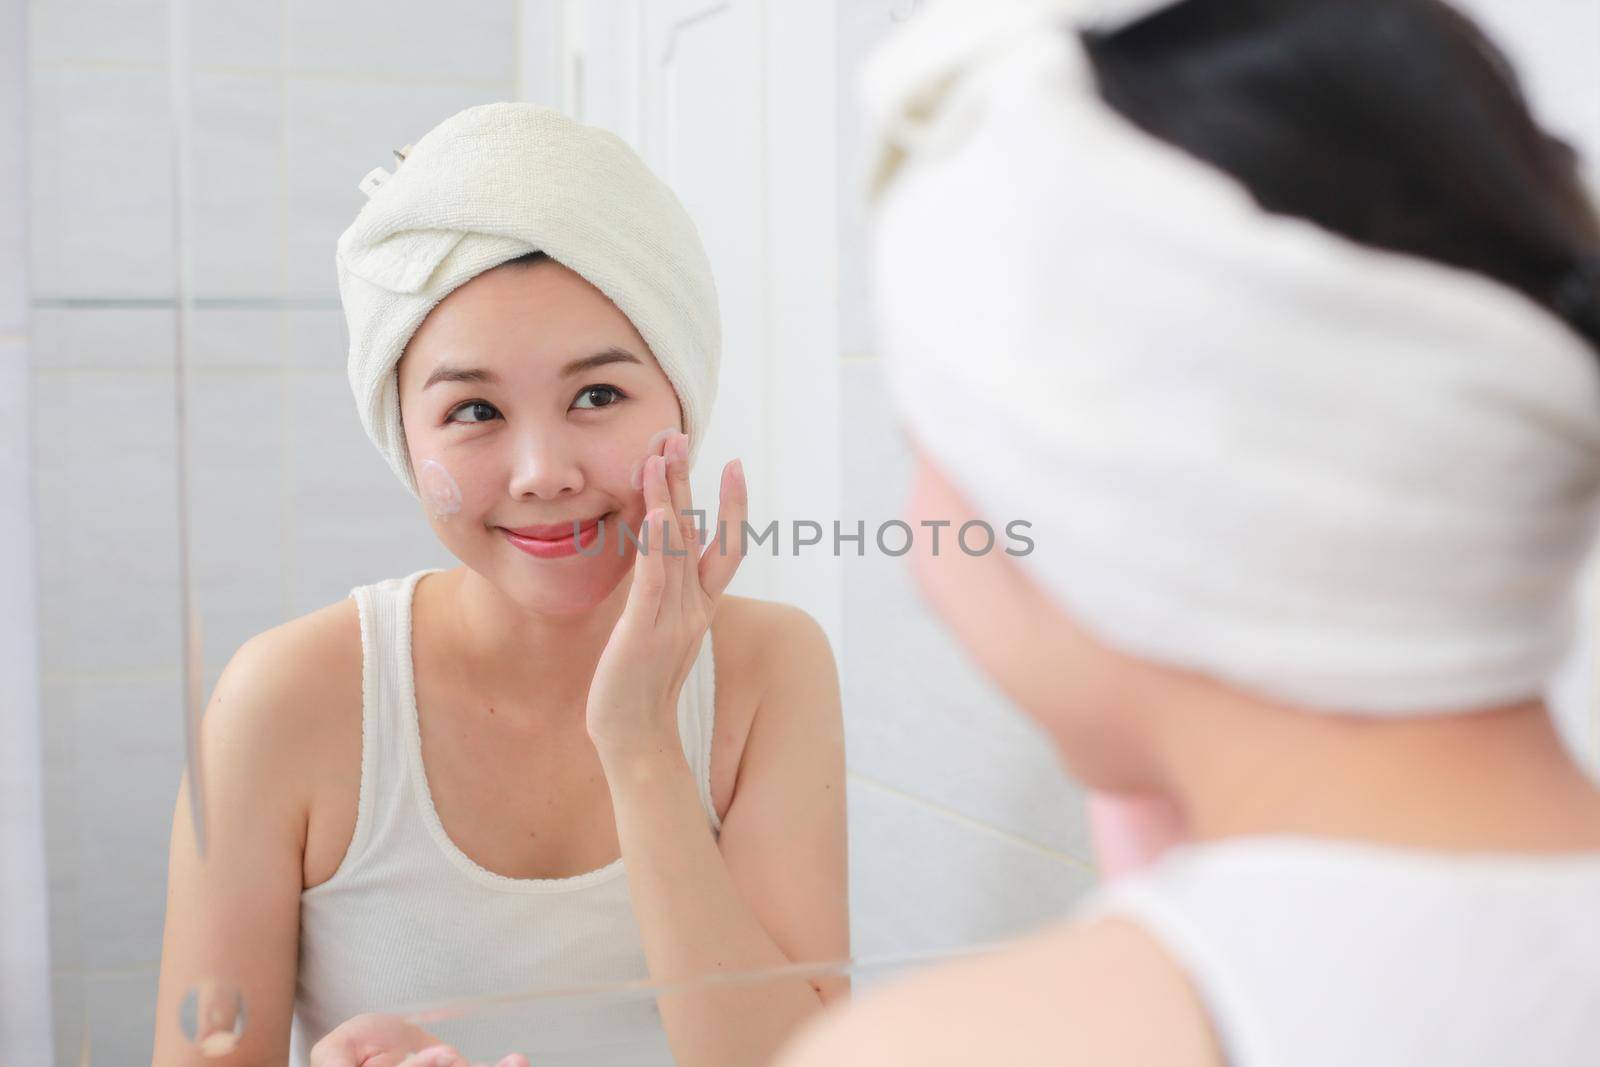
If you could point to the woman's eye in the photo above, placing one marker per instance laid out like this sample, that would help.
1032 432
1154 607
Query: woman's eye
471 405
602 390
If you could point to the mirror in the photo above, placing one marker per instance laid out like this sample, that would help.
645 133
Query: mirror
202 480
192 166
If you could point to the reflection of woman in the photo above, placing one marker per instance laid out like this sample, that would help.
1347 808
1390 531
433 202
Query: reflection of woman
1277 318
429 790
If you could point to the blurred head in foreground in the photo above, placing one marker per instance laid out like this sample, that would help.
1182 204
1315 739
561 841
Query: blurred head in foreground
1278 323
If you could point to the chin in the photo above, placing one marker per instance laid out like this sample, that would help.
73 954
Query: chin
570 587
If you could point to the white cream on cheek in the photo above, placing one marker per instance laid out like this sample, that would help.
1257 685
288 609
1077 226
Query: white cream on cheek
651 449
439 489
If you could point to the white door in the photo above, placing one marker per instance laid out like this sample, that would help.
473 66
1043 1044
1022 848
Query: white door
731 102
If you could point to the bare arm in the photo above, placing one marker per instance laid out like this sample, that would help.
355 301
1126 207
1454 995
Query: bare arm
774 892
233 917
1100 992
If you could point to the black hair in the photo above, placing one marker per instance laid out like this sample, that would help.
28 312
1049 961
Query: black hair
1395 123
527 259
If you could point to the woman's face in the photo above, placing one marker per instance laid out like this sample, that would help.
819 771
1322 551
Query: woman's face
1083 693
530 439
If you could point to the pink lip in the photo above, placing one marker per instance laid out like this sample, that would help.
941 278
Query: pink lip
554 547
553 532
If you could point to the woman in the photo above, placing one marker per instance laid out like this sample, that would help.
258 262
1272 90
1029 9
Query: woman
1278 319
429 790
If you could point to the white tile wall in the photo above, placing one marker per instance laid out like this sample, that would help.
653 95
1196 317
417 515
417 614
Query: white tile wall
238 33
929 877
861 25
14 118
98 31
338 129
128 741
93 339
415 44
291 103
107 505
100 157
236 210
922 718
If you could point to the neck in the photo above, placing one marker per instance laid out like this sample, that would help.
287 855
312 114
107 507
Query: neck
1489 780
521 654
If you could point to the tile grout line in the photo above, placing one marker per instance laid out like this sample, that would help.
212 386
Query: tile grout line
309 74
978 824
245 370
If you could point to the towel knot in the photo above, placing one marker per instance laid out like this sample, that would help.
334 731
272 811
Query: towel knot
377 175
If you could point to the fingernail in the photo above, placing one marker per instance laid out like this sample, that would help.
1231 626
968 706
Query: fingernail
658 437
680 445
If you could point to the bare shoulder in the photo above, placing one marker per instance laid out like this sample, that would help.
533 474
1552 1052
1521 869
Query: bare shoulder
766 637
779 654
309 664
236 910
293 692
761 648
1103 991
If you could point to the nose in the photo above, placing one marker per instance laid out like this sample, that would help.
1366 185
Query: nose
545 464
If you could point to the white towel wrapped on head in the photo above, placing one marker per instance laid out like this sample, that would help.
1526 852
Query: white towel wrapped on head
1349 479
497 181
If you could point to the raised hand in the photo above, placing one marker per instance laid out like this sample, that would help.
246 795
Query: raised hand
633 697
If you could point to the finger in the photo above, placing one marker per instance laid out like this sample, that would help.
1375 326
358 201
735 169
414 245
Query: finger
436 1056
726 552
682 506
334 1050
658 439
516 1059
670 539
677 456
655 491
649 576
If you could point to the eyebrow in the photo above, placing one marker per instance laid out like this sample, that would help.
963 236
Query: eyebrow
447 373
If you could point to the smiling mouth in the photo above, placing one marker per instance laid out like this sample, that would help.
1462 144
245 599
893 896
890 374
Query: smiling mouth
548 537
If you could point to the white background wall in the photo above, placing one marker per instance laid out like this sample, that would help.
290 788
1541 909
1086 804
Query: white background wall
24 949
962 827
291 506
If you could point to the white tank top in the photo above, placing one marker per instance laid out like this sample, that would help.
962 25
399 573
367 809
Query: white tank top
1324 953
409 919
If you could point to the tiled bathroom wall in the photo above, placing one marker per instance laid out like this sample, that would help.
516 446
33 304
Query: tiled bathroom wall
25 1033
290 103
